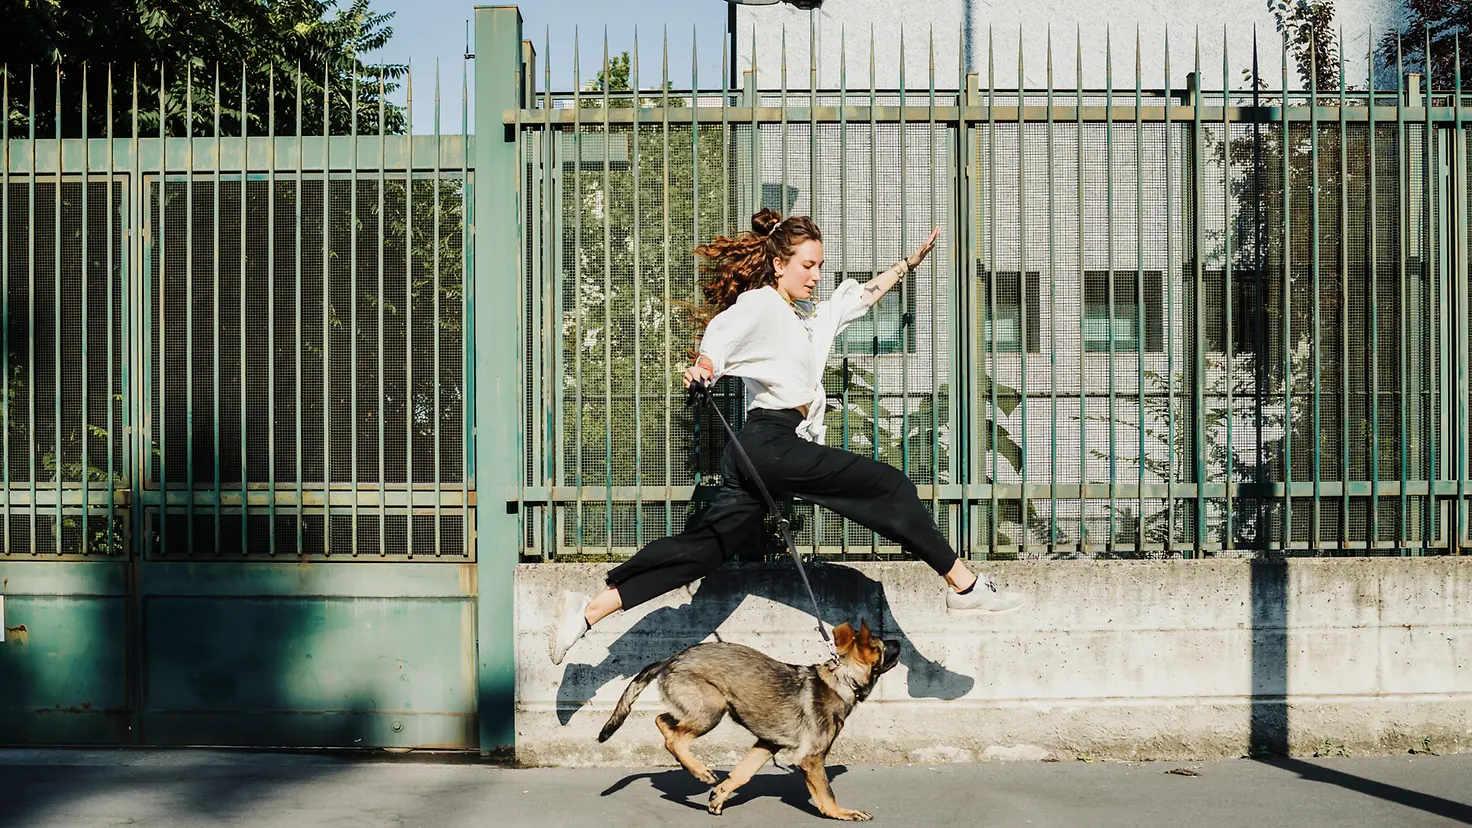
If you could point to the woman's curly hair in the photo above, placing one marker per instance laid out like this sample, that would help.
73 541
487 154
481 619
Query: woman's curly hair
744 262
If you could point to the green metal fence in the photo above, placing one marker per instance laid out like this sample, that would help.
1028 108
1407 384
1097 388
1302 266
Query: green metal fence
1160 322
221 345
235 387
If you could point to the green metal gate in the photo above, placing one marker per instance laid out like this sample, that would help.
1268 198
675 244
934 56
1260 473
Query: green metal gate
239 394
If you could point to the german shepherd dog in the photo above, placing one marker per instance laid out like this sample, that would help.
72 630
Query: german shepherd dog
786 706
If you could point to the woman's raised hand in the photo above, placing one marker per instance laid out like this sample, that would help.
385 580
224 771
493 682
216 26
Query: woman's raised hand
914 259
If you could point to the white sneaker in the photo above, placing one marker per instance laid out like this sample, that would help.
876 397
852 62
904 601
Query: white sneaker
569 625
983 599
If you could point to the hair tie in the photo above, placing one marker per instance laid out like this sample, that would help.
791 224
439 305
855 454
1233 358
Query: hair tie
775 226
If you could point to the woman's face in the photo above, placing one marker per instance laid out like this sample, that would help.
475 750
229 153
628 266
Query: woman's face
797 277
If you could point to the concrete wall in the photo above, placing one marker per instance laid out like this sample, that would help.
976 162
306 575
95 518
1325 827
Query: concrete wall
1166 659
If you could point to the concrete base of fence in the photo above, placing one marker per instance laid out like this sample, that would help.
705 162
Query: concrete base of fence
1136 660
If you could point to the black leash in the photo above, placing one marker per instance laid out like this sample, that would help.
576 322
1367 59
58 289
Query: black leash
699 394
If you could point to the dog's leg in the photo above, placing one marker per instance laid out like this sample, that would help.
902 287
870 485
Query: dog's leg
817 778
677 740
741 774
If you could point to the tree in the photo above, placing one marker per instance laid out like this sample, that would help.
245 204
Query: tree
1433 24
177 46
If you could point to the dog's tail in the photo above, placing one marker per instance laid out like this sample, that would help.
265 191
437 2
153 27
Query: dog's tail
626 702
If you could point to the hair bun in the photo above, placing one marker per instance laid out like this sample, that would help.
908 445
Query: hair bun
765 221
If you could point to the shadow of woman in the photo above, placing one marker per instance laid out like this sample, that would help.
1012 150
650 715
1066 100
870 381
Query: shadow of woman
842 592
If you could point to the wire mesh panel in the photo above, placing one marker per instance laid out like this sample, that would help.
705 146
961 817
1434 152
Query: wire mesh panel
1186 323
65 352
307 356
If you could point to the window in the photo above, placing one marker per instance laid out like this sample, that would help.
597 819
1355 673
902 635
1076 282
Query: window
1002 325
888 328
1247 308
1121 325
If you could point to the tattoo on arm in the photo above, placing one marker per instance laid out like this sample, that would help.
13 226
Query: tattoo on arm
873 288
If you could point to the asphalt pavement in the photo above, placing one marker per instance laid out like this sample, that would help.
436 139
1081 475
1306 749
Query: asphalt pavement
164 788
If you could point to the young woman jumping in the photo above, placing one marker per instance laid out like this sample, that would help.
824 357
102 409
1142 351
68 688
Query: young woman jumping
761 325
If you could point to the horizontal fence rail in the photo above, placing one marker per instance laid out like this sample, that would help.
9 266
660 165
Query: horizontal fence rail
235 315
1160 322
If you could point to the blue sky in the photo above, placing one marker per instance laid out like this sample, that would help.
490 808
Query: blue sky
426 30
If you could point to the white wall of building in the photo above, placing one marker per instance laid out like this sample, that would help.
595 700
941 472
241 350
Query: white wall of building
843 27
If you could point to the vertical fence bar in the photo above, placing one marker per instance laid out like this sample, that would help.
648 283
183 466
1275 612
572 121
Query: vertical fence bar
638 386
111 336
990 316
467 362
1344 421
843 251
1021 287
1140 295
1459 304
1315 519
5 293
1403 163
56 325
409 304
935 477
874 252
353 479
380 300
271 493
1198 187
551 309
297 344
1374 243
437 324
1261 367
1287 186
244 355
1432 172
31 310
905 323
84 476
1228 335
135 334
163 328
215 315
607 317
812 188
577 289
1052 325
188 310
1169 325
1109 286
327 308
1083 380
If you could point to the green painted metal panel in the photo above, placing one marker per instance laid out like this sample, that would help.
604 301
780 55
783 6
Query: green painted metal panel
497 368
64 663
382 656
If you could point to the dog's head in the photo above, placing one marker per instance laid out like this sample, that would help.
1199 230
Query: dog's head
862 657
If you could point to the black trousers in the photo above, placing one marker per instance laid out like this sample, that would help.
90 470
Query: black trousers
873 494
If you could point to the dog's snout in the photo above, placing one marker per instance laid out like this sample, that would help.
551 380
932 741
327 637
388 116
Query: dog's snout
891 654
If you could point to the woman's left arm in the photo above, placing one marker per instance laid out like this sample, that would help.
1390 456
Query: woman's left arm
875 288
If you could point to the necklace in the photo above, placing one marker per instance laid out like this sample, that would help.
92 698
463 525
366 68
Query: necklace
804 313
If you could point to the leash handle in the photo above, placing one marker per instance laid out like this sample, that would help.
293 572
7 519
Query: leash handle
699 393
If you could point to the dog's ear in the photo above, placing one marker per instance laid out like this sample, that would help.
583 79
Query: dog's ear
843 637
864 635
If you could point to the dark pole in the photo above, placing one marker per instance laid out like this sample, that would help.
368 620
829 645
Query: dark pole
731 32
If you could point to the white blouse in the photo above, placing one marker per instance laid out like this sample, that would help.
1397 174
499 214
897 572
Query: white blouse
779 355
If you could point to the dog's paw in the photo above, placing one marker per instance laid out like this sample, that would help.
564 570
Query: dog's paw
850 815
718 797
708 777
